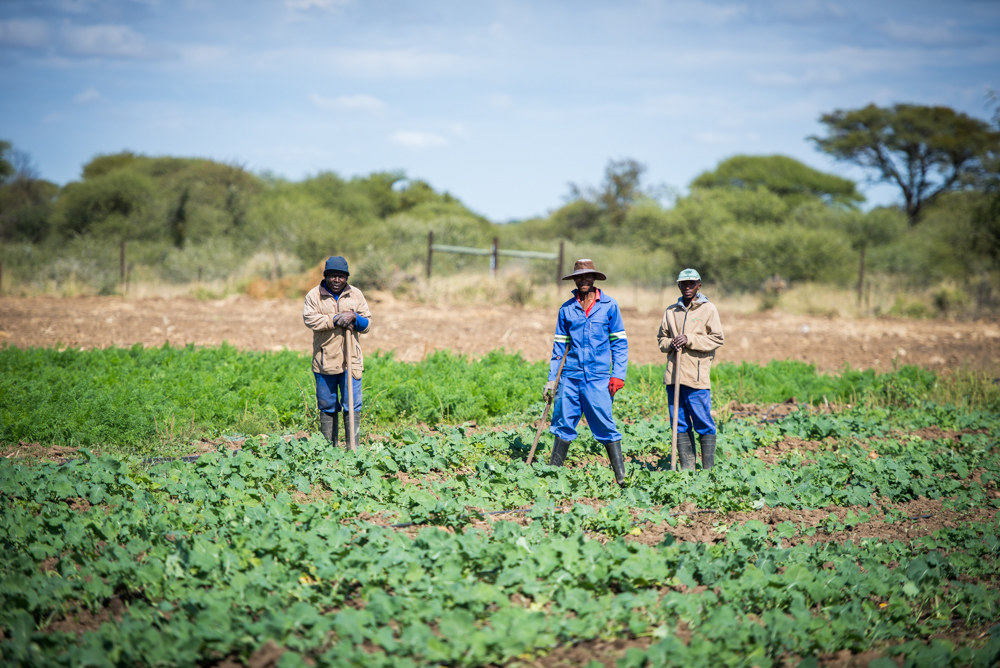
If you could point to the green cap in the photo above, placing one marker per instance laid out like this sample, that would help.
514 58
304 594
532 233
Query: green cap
688 275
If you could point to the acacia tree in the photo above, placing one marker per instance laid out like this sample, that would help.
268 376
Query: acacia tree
621 189
925 151
786 177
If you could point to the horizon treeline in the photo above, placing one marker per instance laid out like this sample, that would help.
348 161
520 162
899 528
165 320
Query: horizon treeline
743 223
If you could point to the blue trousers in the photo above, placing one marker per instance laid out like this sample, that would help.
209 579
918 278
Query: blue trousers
693 410
329 387
593 399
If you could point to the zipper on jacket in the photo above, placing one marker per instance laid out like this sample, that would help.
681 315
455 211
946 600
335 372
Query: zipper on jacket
699 371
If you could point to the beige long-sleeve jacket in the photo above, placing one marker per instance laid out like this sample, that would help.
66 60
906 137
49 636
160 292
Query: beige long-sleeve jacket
328 341
704 331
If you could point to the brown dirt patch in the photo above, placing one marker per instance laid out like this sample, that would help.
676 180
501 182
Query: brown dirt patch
773 411
266 656
80 619
790 445
316 493
844 659
712 527
48 564
936 433
26 450
605 652
206 445
414 330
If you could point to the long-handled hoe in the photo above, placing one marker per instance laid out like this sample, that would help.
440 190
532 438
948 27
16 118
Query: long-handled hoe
677 396
548 404
349 336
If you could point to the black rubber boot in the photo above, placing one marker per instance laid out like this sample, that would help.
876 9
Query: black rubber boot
357 429
685 450
614 449
707 451
559 450
328 427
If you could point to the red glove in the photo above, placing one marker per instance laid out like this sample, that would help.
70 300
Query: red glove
615 384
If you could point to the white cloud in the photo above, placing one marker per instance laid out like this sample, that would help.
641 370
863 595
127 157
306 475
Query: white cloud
74 6
501 101
461 131
306 5
682 12
782 79
809 11
88 95
404 63
23 33
399 62
360 102
202 54
925 35
714 137
417 140
115 41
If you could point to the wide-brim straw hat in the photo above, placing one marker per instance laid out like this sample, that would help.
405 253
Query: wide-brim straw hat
581 267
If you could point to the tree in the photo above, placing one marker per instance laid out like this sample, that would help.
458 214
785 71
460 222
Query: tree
925 151
865 230
784 176
621 189
25 199
6 163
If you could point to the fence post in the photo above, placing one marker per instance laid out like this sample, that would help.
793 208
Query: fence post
559 267
121 264
430 252
494 257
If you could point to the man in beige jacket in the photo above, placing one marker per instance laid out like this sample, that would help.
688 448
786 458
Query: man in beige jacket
336 313
691 331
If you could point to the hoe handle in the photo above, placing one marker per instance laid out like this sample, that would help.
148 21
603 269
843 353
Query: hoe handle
548 403
677 396
349 352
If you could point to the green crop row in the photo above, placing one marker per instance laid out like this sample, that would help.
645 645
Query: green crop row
197 562
147 399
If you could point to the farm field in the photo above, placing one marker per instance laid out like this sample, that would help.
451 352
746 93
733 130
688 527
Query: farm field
858 529
414 330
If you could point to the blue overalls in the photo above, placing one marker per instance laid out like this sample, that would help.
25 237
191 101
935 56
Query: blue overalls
598 351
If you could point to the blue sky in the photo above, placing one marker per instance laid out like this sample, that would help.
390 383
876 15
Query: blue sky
500 103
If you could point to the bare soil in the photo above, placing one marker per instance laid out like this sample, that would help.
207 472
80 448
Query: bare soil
414 330
80 619
26 450
712 527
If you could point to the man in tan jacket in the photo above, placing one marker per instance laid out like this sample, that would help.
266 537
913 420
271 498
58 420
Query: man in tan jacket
336 313
691 331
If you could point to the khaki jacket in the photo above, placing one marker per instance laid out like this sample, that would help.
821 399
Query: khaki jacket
328 341
704 332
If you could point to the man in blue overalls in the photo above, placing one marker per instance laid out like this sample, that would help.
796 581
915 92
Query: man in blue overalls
590 324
